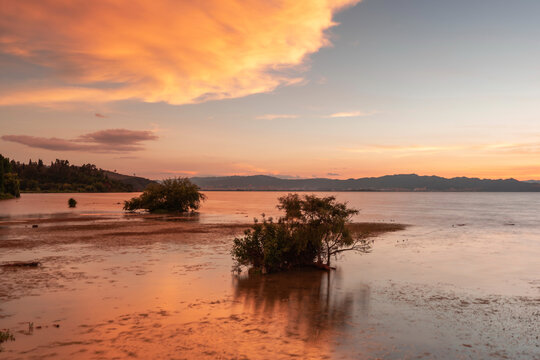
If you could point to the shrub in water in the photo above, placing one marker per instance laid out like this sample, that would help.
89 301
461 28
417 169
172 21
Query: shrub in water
173 195
312 231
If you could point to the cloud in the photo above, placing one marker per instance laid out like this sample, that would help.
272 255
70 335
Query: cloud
118 137
180 172
332 174
99 115
104 141
276 116
500 148
350 114
514 148
172 51
402 148
127 158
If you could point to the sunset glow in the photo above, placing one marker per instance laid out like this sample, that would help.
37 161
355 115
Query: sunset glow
340 89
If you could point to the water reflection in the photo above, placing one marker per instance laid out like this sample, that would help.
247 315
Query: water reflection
309 302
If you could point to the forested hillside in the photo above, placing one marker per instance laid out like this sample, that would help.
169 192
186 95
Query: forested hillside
60 176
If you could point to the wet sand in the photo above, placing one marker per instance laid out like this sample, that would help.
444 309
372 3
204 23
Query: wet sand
161 287
110 288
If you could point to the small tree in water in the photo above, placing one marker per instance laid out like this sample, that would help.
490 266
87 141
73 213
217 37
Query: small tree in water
323 221
173 195
313 230
72 202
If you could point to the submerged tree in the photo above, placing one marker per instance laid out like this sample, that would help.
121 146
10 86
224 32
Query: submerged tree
172 195
313 230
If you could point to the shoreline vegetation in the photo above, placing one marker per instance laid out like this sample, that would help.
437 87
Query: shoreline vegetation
9 182
60 177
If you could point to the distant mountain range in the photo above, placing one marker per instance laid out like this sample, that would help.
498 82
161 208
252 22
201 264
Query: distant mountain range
406 182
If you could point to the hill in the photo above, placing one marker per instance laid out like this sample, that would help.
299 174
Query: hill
61 176
406 182
137 183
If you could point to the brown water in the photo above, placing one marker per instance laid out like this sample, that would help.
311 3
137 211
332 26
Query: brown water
462 282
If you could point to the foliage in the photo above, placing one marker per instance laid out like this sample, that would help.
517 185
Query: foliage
6 335
269 246
313 229
9 182
172 195
72 202
60 176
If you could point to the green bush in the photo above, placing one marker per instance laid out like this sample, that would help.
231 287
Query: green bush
172 195
312 231
267 246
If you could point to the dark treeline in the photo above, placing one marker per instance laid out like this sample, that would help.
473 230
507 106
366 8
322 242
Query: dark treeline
60 176
9 183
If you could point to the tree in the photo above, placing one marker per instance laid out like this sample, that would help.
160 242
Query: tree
1 174
269 247
324 222
61 176
9 182
313 230
172 195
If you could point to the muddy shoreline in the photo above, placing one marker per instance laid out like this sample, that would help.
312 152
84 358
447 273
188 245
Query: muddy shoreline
162 287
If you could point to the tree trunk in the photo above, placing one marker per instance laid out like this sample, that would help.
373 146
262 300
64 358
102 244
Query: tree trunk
328 256
323 266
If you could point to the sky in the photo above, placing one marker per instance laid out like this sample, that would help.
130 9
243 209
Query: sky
320 88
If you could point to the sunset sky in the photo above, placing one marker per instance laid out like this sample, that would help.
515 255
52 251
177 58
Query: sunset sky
294 88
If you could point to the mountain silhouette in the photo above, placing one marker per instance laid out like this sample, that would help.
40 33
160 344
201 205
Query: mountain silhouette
402 182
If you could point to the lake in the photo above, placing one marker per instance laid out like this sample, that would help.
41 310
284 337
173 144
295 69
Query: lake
461 282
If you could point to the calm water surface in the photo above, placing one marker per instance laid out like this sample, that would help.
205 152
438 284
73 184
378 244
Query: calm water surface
462 282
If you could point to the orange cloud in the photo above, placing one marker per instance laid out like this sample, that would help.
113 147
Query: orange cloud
276 116
350 114
173 51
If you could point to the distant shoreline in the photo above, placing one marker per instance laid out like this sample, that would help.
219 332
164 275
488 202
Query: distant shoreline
388 183
290 190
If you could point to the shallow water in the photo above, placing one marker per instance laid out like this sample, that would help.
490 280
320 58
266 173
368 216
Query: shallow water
463 281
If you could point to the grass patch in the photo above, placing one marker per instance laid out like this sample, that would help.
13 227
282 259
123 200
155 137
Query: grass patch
5 335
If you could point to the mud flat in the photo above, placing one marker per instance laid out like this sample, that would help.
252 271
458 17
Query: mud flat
101 286
114 286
